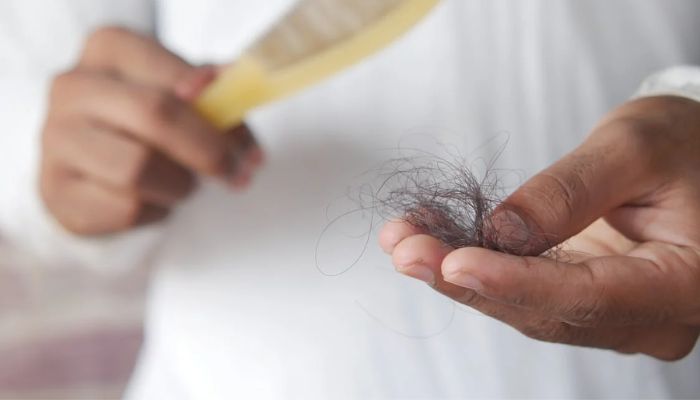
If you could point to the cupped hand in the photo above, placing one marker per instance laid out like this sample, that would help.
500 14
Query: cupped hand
122 142
625 207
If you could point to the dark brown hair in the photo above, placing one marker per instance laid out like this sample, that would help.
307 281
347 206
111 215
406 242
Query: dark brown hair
442 198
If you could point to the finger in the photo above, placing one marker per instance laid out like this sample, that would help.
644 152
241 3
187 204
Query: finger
246 157
611 168
86 207
193 83
420 256
600 291
119 162
150 115
393 232
133 56
162 181
667 342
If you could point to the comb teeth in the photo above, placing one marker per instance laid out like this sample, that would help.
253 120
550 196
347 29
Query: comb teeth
314 25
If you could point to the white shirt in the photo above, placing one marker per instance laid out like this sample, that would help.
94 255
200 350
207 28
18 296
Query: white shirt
238 308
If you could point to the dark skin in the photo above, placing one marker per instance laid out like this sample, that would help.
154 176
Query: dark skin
626 206
122 143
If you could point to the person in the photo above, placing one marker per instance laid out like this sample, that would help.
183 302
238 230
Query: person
238 308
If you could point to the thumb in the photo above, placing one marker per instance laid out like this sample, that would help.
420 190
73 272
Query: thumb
559 202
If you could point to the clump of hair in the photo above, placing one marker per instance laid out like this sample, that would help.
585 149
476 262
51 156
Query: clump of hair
439 197
443 198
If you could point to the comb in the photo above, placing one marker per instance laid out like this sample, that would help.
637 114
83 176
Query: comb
314 40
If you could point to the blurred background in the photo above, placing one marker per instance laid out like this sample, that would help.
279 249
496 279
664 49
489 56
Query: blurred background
51 318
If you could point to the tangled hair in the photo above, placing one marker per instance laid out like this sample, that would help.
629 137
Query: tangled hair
446 199
442 198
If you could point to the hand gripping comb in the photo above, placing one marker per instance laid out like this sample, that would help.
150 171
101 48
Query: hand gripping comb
314 40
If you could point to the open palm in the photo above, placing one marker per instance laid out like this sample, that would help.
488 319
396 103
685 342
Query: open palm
625 207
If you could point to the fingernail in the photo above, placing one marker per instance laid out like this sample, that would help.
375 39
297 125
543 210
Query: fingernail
464 280
512 234
418 271
195 82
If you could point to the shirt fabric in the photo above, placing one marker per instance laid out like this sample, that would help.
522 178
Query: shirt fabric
242 305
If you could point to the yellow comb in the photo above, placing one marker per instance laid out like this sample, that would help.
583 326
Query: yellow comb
314 40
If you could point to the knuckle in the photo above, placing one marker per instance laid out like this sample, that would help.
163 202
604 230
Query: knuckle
544 330
161 110
675 351
585 314
128 213
95 217
216 162
679 345
85 224
468 297
634 132
594 308
533 330
139 161
119 219
100 40
640 137
62 82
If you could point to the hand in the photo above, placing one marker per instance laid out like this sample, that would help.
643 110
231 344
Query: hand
122 142
628 277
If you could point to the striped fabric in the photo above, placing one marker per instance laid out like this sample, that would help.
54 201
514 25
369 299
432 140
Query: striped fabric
66 333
